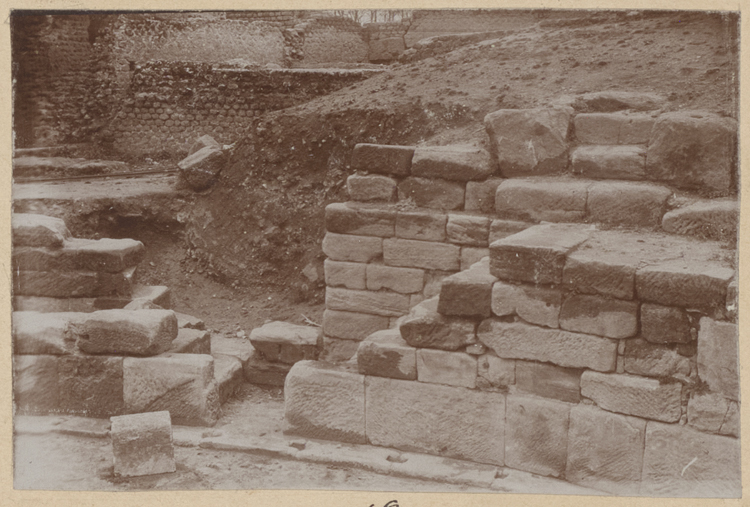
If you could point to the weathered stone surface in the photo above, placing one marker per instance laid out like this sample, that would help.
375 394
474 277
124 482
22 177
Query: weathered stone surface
432 193
471 255
360 219
52 305
235 346
613 128
111 255
535 305
529 141
731 425
605 450
542 199
665 324
201 168
495 372
710 219
610 101
386 354
142 304
179 383
693 150
549 381
514 340
644 358
706 411
351 275
63 284
421 254
424 226
536 435
91 386
127 333
35 384
627 203
402 280
386 49
259 371
191 341
449 368
323 402
631 395
282 342
467 294
386 304
336 350
480 195
228 374
468 230
595 315
38 230
459 163
142 444
189 321
343 247
374 187
352 325
680 461
609 162
158 294
395 418
537 254
43 333
718 357
429 329
682 283
589 272
383 159
500 229
203 142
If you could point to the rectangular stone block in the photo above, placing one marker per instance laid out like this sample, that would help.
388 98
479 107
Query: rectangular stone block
360 219
421 254
64 284
282 342
605 450
707 411
471 255
652 360
424 226
321 401
343 247
495 372
718 357
351 275
612 318
382 159
260 372
371 187
460 163
631 395
228 375
386 304
386 354
627 203
91 386
424 327
468 230
432 193
336 350
588 272
448 368
38 230
550 200
463 423
142 444
480 195
514 340
665 324
613 128
467 294
352 325
549 381
127 332
110 255
678 283
35 384
192 341
43 333
536 435
609 162
500 229
535 305
402 280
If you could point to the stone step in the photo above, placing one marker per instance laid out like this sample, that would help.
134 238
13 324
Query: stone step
626 162
76 254
145 295
282 342
63 284
228 375
715 219
38 230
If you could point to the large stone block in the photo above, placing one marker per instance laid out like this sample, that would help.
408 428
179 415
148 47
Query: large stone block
542 199
495 372
682 283
529 142
537 254
201 168
432 193
480 195
535 305
549 381
386 304
110 255
514 340
680 461
429 329
643 358
360 219
38 230
609 162
631 395
352 325
228 375
259 371
459 163
468 230
627 203
715 219
595 315
462 423
449 368
351 275
536 435
323 402
718 357
421 225
467 294
694 150
43 333
343 247
665 324
613 128
382 159
402 280
142 444
386 354
605 450
421 254
65 284
588 272
35 384
91 386
282 342
127 332
373 187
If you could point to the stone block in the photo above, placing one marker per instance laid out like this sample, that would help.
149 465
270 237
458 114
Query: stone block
480 195
323 402
627 203
495 372
706 411
235 346
715 219
127 333
535 305
43 333
35 384
536 435
282 342
52 305
613 128
682 283
433 280
605 450
402 280
435 331
360 219
191 341
468 230
432 193
38 230
382 159
609 162
352 325
228 374
65 284
463 423
203 142
542 199
200 169
731 425
665 324
386 354
260 372
459 163
631 395
343 247
693 150
336 350
718 357
537 254
110 255
351 275
515 340
467 294
142 444
549 381
189 322
610 101
424 226
529 142
643 358
500 229
680 461
588 272
595 315
383 303
449 368
421 254
157 294
373 187
91 386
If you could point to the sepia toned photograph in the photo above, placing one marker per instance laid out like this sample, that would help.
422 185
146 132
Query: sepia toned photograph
378 250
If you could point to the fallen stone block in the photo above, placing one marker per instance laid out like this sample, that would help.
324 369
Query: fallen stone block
351 275
401 280
468 230
110 255
459 163
612 318
125 332
282 342
715 219
260 372
500 229
609 162
382 159
421 254
631 395
200 169
432 193
228 374
385 354
697 285
43 333
542 199
627 203
360 219
665 324
471 255
385 304
395 418
38 230
424 226
66 284
142 444
449 368
480 195
203 141
549 381
494 372
535 305
321 401
343 247
35 384
373 187
352 325
429 329
643 358
718 357
706 411
613 128
191 341
91 386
